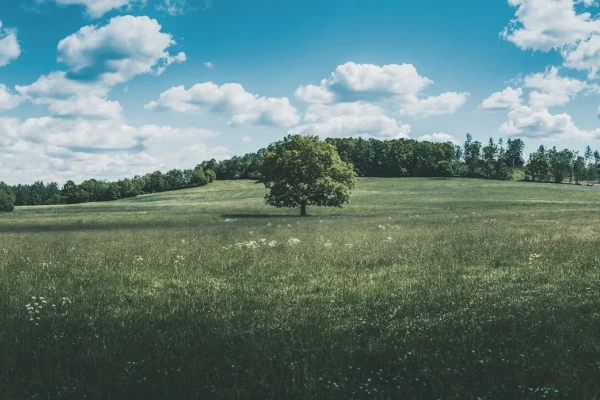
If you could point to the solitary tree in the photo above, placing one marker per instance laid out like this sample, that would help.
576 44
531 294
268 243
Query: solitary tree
301 171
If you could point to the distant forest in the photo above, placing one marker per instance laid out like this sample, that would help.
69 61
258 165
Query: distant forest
370 158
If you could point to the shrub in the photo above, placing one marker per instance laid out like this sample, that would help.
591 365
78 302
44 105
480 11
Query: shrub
199 177
210 175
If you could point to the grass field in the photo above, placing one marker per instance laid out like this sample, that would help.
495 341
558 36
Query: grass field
419 289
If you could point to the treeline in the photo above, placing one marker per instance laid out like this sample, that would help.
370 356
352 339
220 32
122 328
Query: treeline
551 165
93 190
370 158
500 161
496 160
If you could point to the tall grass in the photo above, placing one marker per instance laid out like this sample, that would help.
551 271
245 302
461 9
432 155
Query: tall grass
424 289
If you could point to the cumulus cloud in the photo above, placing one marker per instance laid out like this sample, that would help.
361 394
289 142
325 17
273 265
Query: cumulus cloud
445 103
127 46
231 99
547 89
314 94
507 99
400 84
98 58
554 90
90 135
8 101
9 45
439 137
545 25
97 8
79 149
351 119
540 123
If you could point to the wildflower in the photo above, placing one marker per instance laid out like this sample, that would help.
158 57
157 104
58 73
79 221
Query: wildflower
229 220
349 245
269 224
328 244
388 239
321 221
289 225
533 257
272 243
293 241
381 227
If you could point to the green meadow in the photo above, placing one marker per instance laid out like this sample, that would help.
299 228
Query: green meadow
418 289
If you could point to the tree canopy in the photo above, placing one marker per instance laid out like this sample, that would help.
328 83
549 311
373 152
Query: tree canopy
303 171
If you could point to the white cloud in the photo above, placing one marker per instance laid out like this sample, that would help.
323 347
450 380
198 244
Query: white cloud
86 107
90 135
549 24
552 89
127 46
232 99
172 7
547 89
509 98
445 103
585 56
314 94
246 139
97 8
351 119
353 81
99 58
439 137
8 101
400 84
209 64
390 79
77 149
540 123
545 25
68 98
9 46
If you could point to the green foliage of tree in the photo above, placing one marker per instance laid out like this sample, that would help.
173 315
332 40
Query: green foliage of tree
301 171
199 177
6 200
444 168
210 175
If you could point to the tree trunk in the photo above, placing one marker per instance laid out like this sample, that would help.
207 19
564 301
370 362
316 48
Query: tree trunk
303 210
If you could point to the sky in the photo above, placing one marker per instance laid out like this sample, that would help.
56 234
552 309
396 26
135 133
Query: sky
109 89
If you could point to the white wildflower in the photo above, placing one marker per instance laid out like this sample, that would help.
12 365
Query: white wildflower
273 243
293 241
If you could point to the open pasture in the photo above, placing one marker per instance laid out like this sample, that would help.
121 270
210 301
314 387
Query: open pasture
419 289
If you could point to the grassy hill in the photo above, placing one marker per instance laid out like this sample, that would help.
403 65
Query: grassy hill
420 288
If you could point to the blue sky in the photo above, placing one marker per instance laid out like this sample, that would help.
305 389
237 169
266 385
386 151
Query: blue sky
113 88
